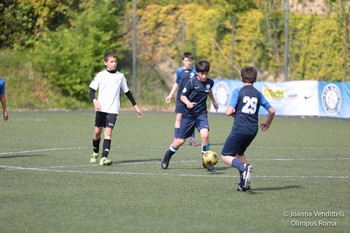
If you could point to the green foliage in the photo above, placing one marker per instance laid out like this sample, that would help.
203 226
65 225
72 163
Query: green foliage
317 48
22 21
71 56
27 88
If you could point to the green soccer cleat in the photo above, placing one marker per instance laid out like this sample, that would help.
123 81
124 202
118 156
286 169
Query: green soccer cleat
94 157
105 162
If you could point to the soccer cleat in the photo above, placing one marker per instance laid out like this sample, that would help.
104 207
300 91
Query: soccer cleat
193 142
94 157
243 189
246 175
105 162
210 168
165 161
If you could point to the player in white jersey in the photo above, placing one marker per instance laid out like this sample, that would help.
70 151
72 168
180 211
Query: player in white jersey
108 83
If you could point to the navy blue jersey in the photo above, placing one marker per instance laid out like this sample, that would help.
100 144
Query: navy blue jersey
247 101
182 77
197 91
2 87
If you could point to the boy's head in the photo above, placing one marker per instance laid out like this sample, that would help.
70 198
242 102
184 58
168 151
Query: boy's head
110 61
187 59
248 74
202 68
108 55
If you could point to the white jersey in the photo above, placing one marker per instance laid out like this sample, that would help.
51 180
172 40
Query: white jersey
108 86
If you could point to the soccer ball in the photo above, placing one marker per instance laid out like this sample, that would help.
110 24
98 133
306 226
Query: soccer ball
210 158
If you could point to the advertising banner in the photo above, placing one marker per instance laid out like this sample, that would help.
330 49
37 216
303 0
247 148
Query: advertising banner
293 98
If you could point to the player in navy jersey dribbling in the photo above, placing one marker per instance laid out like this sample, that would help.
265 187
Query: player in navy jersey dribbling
244 107
183 74
108 83
195 114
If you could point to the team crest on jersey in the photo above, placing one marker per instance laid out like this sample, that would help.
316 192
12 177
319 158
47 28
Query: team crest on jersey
192 75
331 99
184 90
207 88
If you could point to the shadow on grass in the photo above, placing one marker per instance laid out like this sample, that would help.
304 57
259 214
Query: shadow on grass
18 156
258 190
137 161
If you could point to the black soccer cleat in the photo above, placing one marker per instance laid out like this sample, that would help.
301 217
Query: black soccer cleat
242 189
165 162
210 168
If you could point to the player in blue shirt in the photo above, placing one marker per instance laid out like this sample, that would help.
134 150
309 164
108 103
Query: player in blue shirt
3 100
244 107
183 74
195 114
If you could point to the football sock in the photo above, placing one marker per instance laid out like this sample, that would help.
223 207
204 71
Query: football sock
238 164
205 148
172 150
96 145
176 132
106 147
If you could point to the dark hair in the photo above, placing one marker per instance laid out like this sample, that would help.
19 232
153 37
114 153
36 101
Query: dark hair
202 66
248 74
187 55
108 55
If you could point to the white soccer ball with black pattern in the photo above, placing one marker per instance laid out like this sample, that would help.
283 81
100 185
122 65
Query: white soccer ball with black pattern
210 158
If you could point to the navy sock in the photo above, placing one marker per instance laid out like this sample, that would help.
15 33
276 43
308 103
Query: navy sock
172 150
238 164
96 145
205 148
106 147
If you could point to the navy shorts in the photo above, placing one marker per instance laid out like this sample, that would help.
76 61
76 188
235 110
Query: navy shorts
179 106
236 144
106 120
188 125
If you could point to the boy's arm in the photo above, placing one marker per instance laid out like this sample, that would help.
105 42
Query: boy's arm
211 96
230 111
133 102
97 105
266 125
172 92
185 100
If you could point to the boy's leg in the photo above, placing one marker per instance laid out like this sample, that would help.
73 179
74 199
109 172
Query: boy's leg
96 144
233 155
186 128
172 150
110 122
192 139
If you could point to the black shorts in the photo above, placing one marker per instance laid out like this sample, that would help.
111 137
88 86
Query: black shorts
106 120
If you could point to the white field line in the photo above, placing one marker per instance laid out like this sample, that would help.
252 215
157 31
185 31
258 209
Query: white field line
258 147
164 173
41 150
213 175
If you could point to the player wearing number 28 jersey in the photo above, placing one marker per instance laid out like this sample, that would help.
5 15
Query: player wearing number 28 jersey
244 107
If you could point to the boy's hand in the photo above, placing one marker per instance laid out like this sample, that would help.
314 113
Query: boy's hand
264 126
167 99
97 105
139 112
191 105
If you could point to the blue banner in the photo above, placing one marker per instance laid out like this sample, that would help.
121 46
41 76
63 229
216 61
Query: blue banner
334 99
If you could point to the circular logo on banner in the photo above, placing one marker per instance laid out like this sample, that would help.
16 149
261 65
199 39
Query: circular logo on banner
222 94
331 99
